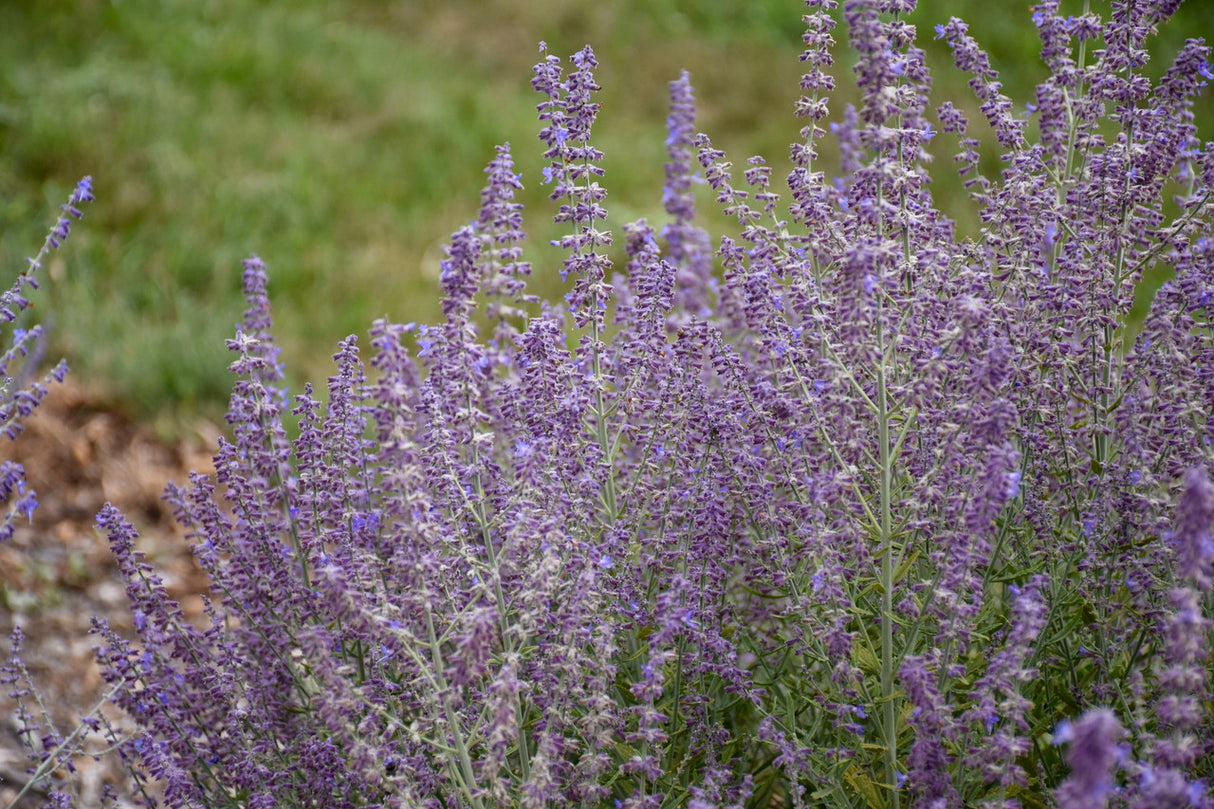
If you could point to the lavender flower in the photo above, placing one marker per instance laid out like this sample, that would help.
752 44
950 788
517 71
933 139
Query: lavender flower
999 707
1095 750
1179 743
20 391
570 113
687 245
12 301
842 514
1194 547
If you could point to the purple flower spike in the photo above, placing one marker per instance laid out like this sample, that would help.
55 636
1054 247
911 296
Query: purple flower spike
1192 539
569 114
21 391
1095 751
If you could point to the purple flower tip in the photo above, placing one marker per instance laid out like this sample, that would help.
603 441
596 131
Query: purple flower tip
28 504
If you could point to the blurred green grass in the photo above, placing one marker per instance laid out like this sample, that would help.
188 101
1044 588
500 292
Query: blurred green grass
344 140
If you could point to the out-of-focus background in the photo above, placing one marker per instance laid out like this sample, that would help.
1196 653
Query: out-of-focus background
344 140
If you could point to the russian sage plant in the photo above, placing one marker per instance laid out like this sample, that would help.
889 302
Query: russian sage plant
847 511
21 391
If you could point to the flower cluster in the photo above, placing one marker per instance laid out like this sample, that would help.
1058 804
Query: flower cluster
20 393
847 510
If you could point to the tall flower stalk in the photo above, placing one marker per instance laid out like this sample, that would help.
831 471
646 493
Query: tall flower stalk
844 510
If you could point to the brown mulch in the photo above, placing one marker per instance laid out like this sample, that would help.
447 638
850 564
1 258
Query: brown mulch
57 572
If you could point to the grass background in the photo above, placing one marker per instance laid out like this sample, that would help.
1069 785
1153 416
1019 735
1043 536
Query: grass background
344 140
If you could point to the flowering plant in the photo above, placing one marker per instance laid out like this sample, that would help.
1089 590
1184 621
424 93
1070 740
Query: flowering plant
870 514
20 393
